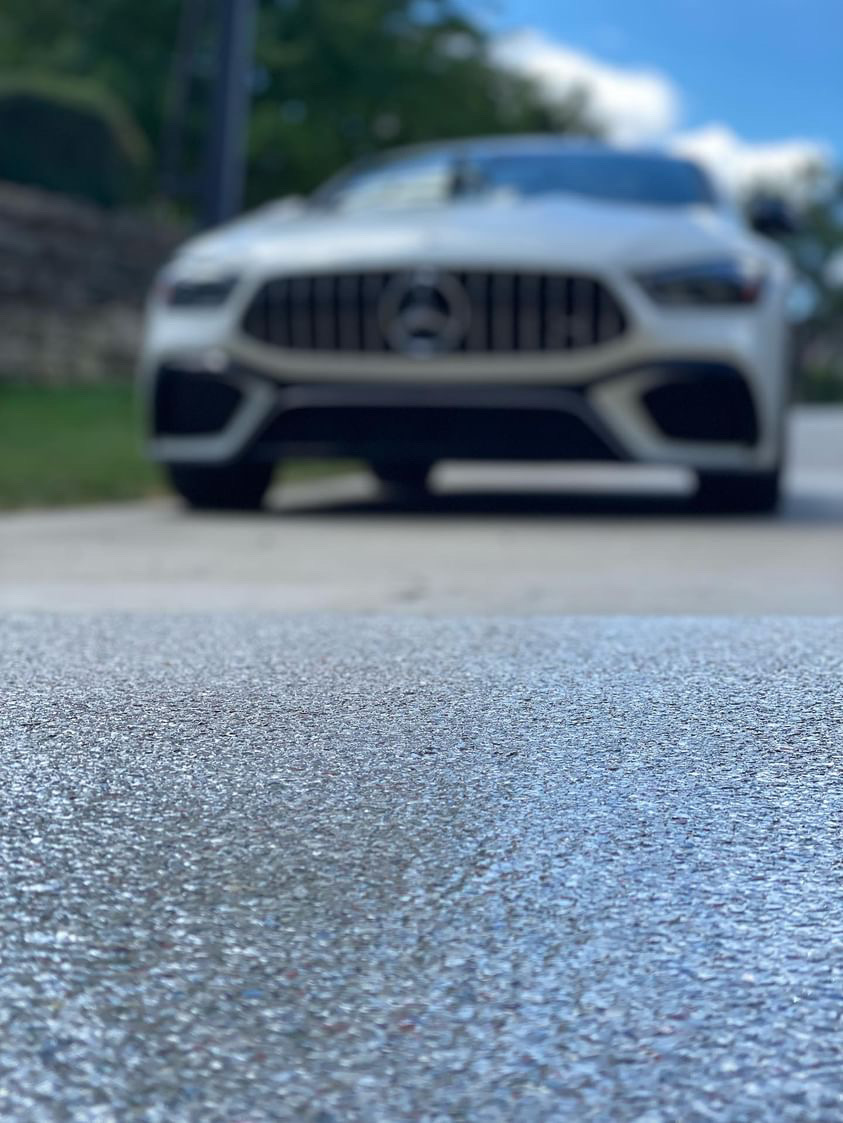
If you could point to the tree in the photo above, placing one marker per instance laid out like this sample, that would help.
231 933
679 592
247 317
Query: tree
817 249
333 79
341 78
68 135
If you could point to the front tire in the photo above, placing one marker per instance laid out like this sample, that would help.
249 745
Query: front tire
750 492
232 487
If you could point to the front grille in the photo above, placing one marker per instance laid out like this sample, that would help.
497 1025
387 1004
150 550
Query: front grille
430 312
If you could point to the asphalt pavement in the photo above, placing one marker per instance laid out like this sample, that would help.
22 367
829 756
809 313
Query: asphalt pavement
491 539
414 849
387 869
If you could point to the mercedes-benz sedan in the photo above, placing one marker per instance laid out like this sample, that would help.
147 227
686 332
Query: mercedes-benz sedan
509 298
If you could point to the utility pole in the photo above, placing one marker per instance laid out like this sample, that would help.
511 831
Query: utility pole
174 179
226 159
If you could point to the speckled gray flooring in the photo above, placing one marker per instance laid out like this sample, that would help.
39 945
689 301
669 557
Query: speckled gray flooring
405 869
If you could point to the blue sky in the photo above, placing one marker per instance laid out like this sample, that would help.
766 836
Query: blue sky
768 69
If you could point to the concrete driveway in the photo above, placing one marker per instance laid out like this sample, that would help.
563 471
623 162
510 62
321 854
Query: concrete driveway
511 539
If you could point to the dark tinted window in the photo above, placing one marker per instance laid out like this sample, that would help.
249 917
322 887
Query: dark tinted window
434 177
625 178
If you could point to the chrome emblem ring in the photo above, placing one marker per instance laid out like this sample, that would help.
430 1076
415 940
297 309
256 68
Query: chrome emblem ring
424 313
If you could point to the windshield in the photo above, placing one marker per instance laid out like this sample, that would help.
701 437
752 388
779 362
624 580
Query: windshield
435 178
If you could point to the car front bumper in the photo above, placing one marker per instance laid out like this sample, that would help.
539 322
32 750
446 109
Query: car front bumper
704 389
696 413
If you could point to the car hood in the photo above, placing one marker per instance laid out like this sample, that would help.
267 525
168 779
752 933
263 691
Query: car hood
548 232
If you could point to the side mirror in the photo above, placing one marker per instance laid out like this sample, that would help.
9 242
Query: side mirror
771 217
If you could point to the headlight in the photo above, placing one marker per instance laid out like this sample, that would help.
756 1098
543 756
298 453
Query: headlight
199 291
709 284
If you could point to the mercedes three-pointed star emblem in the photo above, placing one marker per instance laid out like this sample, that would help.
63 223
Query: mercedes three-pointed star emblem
424 313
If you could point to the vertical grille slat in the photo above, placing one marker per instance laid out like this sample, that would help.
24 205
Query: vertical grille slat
573 313
529 313
262 311
478 329
554 314
581 320
503 318
373 286
325 313
542 313
348 320
299 334
286 324
505 312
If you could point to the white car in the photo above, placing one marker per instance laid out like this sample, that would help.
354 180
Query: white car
509 298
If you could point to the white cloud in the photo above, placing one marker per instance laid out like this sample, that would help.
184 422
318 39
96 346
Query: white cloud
632 105
643 105
794 164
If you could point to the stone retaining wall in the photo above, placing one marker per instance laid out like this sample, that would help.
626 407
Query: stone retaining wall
73 280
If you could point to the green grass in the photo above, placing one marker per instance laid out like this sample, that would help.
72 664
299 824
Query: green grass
820 385
81 444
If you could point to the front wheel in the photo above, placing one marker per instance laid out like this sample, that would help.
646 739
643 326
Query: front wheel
234 487
745 492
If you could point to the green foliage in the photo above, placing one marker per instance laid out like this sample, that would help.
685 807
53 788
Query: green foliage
342 78
818 240
81 444
68 135
817 243
820 384
90 431
333 79
124 47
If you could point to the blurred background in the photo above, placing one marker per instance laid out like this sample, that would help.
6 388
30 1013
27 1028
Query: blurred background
110 114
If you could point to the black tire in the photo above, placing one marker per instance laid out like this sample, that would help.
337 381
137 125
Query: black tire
233 487
403 475
757 492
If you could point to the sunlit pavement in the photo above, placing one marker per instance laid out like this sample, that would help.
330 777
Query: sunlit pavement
417 849
348 870
496 539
